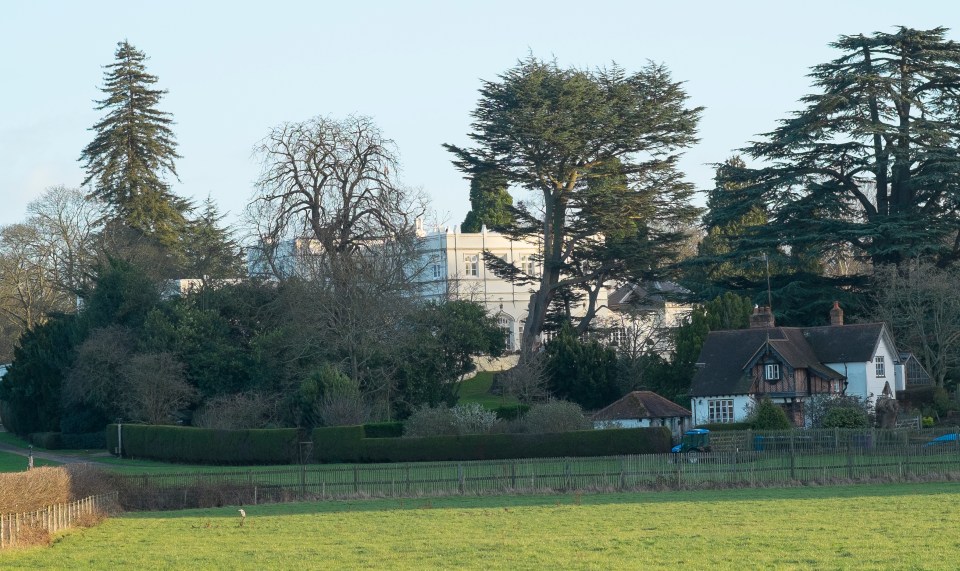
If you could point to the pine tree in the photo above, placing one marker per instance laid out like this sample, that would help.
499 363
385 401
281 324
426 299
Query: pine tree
134 148
490 203
870 165
209 250
594 147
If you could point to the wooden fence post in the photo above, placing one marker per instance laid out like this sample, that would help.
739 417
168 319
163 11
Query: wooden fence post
793 456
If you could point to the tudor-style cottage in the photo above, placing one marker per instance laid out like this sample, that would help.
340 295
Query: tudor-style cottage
791 364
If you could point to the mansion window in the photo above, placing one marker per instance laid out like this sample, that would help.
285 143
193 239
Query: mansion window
720 410
437 270
880 366
471 265
528 264
618 336
771 372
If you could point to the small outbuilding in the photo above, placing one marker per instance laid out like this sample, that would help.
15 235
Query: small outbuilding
641 409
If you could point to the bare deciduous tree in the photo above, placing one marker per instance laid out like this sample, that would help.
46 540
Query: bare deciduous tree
527 380
155 388
921 303
333 186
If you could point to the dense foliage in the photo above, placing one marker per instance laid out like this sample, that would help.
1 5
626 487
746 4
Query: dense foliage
600 149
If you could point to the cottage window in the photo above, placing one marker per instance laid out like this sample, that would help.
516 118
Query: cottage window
720 410
880 366
772 372
471 265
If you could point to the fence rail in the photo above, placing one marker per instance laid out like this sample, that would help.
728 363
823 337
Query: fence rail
765 459
52 518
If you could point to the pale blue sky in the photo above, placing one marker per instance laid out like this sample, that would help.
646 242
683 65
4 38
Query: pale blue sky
236 69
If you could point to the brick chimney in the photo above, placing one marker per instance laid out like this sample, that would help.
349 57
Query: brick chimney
836 315
762 317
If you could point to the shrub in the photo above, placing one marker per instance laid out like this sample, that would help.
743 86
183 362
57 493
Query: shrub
430 421
343 410
511 412
818 408
846 417
237 411
555 416
470 418
942 402
473 418
33 490
768 416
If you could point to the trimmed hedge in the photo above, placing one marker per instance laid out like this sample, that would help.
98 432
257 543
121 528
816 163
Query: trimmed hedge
344 445
383 430
338 443
207 445
725 426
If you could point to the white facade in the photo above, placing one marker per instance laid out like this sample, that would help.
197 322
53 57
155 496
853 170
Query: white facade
867 380
455 269
676 425
721 408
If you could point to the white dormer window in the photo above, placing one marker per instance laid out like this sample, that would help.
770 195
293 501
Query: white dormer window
881 366
771 372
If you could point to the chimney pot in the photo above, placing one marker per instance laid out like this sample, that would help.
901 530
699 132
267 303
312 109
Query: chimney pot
762 318
836 315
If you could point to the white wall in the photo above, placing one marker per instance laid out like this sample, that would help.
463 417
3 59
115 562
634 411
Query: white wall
742 404
448 248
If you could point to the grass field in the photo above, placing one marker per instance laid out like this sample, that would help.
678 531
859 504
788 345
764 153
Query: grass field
849 527
477 390
15 463
13 440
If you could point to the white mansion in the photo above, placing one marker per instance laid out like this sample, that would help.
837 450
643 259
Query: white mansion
633 316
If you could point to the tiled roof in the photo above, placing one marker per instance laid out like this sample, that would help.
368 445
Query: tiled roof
725 354
639 405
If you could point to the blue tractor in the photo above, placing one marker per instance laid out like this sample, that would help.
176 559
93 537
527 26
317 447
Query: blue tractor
696 440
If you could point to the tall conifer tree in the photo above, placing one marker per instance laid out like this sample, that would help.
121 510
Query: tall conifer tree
133 151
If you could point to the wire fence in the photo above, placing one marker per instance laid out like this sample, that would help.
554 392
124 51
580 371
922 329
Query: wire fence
735 460
14 528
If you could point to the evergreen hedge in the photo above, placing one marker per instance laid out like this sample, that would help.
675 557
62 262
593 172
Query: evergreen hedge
207 445
347 444
726 426
338 443
383 429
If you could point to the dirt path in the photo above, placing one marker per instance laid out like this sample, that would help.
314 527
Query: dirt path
49 455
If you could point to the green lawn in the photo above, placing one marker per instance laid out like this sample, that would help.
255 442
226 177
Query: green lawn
10 462
13 440
902 526
477 390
